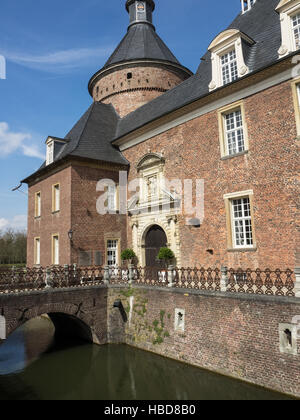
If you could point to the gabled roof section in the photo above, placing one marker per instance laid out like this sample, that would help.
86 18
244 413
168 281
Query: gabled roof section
260 24
90 138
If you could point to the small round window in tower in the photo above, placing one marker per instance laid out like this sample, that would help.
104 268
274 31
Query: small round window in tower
129 76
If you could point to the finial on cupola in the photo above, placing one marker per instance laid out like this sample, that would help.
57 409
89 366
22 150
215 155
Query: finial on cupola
140 11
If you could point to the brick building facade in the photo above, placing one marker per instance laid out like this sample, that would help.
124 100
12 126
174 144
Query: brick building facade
234 126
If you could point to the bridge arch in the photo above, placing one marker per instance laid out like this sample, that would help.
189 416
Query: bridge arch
68 319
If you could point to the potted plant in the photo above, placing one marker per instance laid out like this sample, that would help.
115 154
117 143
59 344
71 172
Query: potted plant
166 255
128 255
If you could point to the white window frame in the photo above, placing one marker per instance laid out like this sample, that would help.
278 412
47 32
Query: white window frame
38 205
227 41
37 251
231 58
297 15
234 132
56 198
112 246
229 202
247 5
288 9
242 219
50 153
112 198
55 249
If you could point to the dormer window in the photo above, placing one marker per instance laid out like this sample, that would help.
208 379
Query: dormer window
50 153
247 4
54 147
229 67
289 11
227 55
296 29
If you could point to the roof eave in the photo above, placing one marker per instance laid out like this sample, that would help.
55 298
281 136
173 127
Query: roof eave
117 141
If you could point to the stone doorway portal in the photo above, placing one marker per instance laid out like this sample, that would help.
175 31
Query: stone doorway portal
155 239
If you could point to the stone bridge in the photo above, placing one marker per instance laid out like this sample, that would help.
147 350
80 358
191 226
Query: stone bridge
76 311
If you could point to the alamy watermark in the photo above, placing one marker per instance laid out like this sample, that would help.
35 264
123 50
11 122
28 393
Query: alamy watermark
152 194
2 68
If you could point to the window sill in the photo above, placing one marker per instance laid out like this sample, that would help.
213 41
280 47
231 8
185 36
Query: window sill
37 217
254 249
56 212
235 155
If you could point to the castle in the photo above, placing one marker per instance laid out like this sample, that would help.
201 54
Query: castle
232 129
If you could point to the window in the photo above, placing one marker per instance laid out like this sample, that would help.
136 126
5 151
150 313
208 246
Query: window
112 198
229 67
296 30
289 11
112 253
37 251
56 198
233 130
55 249
247 4
242 223
38 205
50 153
234 133
296 96
227 57
239 211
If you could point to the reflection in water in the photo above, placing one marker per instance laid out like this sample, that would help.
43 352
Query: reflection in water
26 344
109 372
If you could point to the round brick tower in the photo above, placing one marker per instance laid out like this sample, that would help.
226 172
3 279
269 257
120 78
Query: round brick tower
141 68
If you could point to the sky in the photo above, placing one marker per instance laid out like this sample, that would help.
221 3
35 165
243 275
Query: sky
51 49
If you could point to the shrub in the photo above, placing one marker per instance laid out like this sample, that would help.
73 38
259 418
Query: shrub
128 254
166 254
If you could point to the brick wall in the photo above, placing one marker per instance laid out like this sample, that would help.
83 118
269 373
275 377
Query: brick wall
78 198
88 305
192 150
237 336
126 95
91 230
50 223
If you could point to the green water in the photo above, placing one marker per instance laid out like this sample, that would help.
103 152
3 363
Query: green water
111 372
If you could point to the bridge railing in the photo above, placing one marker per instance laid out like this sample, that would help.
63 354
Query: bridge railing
30 279
260 282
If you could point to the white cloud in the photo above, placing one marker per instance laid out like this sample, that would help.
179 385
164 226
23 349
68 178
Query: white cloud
11 142
3 224
59 60
32 151
16 223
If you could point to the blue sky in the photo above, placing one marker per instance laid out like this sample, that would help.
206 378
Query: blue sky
52 49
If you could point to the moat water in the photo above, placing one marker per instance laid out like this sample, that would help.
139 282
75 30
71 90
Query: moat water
35 367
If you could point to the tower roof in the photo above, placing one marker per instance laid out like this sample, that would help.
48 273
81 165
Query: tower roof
141 43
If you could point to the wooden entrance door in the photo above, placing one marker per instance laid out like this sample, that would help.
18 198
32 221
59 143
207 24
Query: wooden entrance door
155 239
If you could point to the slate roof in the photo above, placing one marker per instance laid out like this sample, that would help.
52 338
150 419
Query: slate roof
91 137
261 23
141 42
